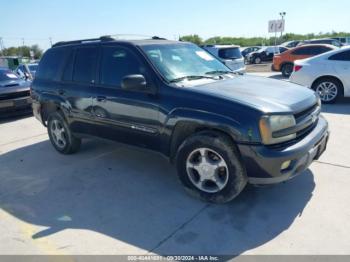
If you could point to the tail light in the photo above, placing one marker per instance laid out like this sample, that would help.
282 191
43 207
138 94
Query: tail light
297 68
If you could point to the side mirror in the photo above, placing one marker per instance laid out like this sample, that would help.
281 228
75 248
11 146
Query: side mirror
136 83
26 76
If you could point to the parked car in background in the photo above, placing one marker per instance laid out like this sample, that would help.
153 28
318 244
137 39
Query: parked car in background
222 130
265 54
230 55
27 71
14 93
327 41
247 50
344 40
291 44
328 74
285 62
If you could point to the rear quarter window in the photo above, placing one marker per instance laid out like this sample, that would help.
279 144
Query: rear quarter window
342 56
51 64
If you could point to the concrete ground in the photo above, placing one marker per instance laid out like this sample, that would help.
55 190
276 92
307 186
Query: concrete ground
113 199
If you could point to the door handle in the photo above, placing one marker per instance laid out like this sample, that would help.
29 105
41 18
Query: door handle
101 98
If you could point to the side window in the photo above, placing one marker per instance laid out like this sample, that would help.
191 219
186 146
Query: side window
316 50
301 51
118 62
342 56
51 64
85 65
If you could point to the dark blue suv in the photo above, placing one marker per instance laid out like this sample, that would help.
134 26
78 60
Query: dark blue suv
221 129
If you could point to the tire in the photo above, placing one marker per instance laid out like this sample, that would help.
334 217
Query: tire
287 70
334 87
196 152
60 135
257 60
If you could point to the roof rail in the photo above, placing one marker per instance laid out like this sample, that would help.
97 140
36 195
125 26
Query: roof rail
82 41
106 38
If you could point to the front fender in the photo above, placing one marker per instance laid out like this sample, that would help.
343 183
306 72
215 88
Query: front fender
183 122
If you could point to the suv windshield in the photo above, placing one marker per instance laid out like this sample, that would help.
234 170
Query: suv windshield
183 61
7 75
230 53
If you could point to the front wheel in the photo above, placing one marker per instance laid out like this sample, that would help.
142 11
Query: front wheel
210 168
60 135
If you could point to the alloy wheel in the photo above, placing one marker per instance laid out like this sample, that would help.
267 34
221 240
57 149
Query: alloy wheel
327 91
58 133
207 170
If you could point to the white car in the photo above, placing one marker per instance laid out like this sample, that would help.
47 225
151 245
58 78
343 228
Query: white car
328 74
230 55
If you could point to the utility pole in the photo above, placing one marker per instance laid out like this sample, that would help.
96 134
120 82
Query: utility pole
50 39
22 51
282 14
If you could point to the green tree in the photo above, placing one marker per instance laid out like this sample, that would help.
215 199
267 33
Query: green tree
192 38
23 51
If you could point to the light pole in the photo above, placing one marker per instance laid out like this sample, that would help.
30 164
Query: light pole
282 14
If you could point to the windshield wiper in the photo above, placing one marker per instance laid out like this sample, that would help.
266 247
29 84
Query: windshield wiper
219 72
191 77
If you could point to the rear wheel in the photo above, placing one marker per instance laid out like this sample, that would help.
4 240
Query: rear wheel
210 168
287 70
329 89
60 135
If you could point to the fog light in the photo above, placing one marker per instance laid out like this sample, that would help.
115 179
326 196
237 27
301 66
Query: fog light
285 165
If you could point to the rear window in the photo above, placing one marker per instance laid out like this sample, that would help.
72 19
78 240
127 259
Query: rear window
51 64
230 53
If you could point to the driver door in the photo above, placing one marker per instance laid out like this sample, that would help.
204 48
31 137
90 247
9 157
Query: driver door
123 115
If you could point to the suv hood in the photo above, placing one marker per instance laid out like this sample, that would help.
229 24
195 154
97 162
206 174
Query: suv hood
265 94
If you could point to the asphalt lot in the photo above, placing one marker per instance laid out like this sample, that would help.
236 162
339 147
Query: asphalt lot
114 199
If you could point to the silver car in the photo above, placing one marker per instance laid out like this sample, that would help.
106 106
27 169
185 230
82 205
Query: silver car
230 55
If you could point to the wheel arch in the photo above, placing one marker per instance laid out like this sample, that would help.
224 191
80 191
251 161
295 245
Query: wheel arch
313 85
50 105
185 129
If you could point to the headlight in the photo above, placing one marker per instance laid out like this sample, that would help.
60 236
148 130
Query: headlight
271 124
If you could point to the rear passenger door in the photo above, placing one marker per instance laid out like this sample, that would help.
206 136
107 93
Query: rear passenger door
124 115
78 80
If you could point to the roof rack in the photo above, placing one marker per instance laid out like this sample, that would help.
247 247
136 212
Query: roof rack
107 38
82 41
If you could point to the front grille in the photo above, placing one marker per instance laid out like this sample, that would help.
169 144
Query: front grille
306 112
310 116
14 95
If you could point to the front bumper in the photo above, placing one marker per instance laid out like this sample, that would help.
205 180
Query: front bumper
15 106
275 69
263 164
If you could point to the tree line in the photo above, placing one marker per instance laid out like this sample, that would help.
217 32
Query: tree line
23 51
257 41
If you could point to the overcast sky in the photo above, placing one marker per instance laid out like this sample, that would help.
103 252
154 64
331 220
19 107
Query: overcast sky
37 20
